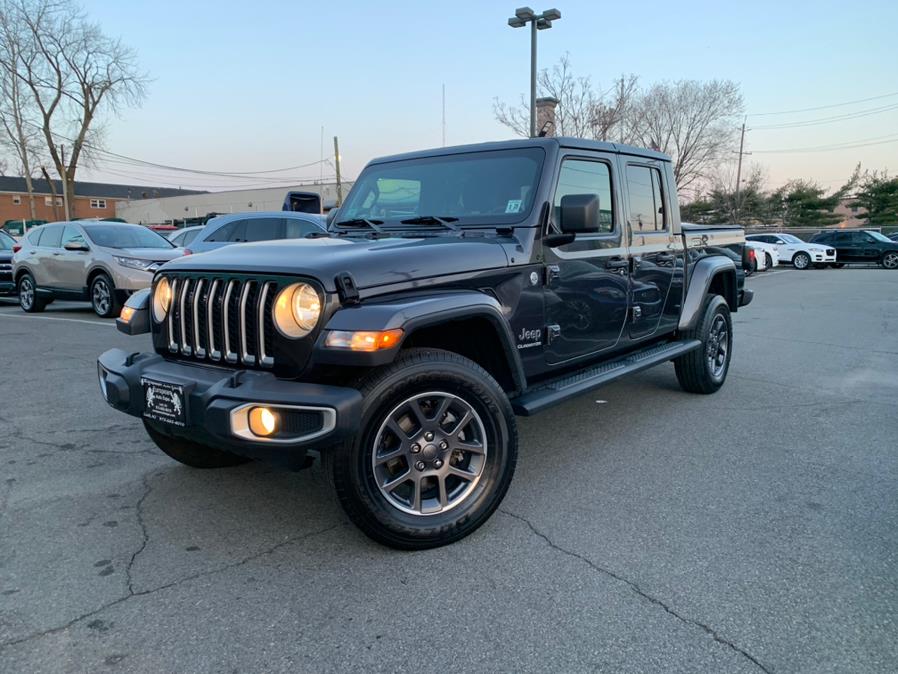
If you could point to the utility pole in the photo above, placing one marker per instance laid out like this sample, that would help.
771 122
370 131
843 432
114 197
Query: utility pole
65 183
337 166
739 175
523 16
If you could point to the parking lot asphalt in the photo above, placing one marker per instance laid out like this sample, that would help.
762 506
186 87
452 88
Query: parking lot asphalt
646 529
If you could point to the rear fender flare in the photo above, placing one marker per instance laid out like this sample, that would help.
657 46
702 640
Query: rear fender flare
700 280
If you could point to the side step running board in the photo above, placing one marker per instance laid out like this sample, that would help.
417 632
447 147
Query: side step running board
547 394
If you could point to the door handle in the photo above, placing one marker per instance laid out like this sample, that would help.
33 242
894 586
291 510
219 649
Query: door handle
616 263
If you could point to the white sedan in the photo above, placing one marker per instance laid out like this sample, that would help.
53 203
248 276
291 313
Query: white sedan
800 254
767 253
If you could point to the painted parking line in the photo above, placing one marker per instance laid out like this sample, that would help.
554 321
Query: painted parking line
764 274
5 314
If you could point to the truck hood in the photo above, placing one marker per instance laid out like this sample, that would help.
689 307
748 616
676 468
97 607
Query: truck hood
372 262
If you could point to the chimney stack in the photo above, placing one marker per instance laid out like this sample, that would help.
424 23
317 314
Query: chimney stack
545 112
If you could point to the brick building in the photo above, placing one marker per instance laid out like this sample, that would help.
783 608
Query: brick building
92 200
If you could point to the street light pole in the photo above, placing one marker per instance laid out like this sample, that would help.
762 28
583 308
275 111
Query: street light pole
523 16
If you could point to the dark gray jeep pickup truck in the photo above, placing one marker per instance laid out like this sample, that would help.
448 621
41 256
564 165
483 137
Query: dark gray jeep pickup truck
454 289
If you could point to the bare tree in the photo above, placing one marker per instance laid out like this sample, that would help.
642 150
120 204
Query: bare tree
582 112
694 122
18 132
73 73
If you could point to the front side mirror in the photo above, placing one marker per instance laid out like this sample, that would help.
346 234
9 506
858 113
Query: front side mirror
579 213
76 245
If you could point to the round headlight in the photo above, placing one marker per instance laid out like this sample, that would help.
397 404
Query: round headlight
161 299
296 310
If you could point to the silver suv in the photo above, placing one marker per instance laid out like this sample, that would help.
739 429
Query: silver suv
101 262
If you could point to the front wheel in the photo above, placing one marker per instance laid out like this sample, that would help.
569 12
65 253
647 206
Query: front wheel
435 453
768 259
704 369
890 260
801 261
102 297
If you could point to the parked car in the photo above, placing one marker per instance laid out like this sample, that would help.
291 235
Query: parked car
455 288
7 286
861 245
184 237
760 261
767 253
800 254
100 262
261 226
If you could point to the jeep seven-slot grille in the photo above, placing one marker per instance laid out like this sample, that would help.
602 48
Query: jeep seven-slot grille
224 320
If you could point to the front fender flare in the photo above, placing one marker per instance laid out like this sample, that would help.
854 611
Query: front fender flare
703 274
413 313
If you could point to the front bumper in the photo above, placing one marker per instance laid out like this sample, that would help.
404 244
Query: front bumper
746 296
214 396
821 256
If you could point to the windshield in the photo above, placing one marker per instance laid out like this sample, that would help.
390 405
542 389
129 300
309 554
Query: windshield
788 238
879 236
478 188
126 236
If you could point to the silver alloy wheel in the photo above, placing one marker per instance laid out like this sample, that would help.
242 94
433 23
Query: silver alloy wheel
26 293
429 453
101 296
801 260
768 260
890 260
718 346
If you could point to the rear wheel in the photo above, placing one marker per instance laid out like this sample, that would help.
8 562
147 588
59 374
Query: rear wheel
704 370
890 260
192 453
768 259
102 297
801 260
28 297
435 453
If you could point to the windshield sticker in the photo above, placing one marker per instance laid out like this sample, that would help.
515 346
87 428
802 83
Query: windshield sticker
514 206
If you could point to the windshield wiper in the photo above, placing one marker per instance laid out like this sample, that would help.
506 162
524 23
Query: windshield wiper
363 222
444 220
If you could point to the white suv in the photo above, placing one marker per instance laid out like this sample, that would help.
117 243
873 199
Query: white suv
800 254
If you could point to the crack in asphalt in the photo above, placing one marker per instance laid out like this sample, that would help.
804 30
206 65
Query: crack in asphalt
143 593
138 508
639 591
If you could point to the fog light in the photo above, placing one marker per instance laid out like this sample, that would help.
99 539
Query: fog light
262 421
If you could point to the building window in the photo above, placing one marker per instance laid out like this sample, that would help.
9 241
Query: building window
98 203
48 201
16 199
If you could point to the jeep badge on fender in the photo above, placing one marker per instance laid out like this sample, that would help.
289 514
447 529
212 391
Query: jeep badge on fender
456 288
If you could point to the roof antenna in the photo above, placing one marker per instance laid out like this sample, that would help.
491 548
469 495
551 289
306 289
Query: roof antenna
543 132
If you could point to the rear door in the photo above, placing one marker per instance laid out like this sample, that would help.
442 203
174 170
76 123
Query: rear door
654 250
587 281
43 262
845 245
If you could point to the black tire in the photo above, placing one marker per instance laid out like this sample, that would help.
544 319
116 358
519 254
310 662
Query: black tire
28 297
695 370
836 265
890 260
425 378
102 297
768 258
191 453
801 260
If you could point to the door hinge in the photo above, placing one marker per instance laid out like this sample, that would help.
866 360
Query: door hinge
637 313
553 332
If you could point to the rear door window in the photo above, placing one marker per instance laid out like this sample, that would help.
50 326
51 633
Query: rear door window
297 229
232 232
34 236
188 237
647 212
264 229
52 236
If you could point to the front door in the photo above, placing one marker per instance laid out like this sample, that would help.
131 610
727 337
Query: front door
71 265
587 281
655 252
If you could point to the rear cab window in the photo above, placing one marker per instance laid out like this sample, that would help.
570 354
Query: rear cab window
52 236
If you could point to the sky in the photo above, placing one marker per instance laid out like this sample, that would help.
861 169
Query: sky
241 87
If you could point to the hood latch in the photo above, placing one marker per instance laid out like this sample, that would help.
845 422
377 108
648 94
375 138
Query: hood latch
346 288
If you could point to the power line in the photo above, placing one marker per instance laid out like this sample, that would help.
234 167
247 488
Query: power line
829 148
824 107
828 120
